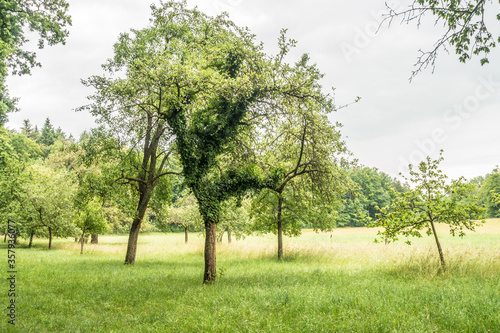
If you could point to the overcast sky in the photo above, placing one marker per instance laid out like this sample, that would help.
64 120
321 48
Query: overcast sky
395 123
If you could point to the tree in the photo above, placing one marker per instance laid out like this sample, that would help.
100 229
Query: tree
467 28
372 190
91 220
308 148
16 152
184 212
133 109
48 135
235 219
431 200
47 17
46 199
491 186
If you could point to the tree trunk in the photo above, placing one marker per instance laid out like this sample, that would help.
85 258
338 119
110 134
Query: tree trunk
50 238
132 241
228 235
94 239
31 240
219 238
441 256
76 239
280 229
5 238
136 227
185 235
81 249
210 247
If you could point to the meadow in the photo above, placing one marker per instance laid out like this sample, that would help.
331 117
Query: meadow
339 281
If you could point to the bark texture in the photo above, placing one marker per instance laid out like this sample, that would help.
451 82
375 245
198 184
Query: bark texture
210 248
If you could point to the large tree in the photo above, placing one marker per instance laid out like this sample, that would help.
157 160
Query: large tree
467 25
133 108
432 199
48 18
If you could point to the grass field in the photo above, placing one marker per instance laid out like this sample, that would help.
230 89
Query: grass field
328 282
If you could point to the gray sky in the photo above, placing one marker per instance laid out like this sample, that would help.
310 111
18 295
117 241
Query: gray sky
395 123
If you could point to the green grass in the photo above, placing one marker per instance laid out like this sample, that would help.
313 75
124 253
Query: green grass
330 282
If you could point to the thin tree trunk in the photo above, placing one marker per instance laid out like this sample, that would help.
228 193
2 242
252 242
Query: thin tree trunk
441 256
81 249
219 238
31 240
228 235
94 239
185 235
210 248
5 238
280 229
50 238
76 239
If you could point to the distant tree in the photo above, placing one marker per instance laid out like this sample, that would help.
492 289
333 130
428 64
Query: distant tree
372 191
47 198
431 200
46 17
48 134
491 186
184 212
16 152
235 219
467 28
28 129
91 220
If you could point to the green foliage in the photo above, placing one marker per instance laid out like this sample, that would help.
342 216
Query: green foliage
46 17
91 219
431 200
489 193
184 212
46 201
48 135
372 191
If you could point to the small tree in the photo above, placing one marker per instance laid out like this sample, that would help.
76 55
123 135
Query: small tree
47 198
184 212
91 220
432 200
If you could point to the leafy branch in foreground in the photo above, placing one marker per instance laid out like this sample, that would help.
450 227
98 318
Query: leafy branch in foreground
466 23
432 200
